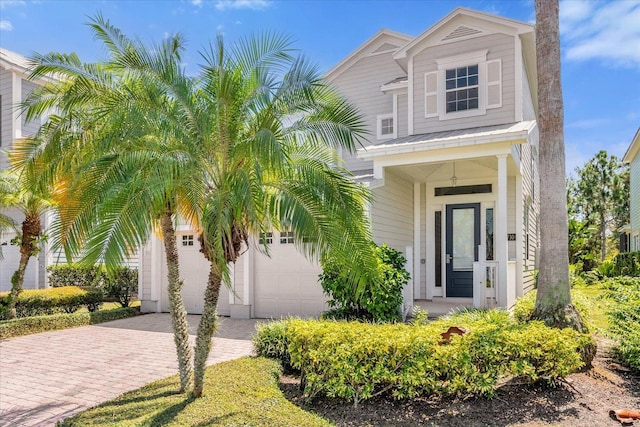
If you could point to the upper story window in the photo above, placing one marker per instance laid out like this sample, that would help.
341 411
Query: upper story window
266 238
386 126
286 237
462 88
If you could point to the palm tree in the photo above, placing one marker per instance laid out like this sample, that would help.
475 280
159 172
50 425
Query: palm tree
111 151
15 192
245 147
272 165
553 301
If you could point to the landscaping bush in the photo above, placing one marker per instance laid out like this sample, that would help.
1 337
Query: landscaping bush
75 275
524 306
624 316
356 361
121 284
39 302
94 299
381 298
271 340
623 264
37 324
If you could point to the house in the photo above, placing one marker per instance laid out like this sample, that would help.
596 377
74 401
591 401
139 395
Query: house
631 232
452 164
15 87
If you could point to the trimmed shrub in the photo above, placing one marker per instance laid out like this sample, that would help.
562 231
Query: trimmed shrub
271 340
37 324
121 284
381 298
39 302
75 275
356 361
94 299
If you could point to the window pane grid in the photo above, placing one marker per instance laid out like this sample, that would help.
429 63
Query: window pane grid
462 88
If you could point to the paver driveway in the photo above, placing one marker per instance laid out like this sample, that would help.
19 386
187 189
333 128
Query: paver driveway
50 376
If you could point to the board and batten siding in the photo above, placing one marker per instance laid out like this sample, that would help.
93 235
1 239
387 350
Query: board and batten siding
499 46
360 84
392 213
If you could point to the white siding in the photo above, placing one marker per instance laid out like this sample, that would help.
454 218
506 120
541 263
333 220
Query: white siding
6 124
403 115
499 46
635 197
28 128
361 85
392 213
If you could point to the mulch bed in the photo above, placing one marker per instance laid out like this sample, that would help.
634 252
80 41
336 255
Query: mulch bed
585 399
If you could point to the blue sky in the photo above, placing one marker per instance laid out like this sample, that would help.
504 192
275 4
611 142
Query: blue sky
600 42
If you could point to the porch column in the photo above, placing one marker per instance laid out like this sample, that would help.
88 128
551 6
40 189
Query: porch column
416 240
501 244
519 236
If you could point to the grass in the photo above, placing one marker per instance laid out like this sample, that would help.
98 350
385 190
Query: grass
242 392
598 306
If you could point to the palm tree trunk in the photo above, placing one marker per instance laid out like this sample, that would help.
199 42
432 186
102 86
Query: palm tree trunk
31 231
176 306
206 329
553 303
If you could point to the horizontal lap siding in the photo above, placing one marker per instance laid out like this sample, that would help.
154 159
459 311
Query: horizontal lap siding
360 84
28 128
5 110
392 213
499 46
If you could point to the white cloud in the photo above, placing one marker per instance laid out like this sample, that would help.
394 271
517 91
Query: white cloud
196 2
220 28
242 4
9 3
607 31
6 25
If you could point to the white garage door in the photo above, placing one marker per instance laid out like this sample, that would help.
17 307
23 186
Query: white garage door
194 270
287 283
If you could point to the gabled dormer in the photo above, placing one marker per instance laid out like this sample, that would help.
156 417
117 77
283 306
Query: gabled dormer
470 69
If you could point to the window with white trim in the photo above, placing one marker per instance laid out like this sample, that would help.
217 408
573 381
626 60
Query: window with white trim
266 238
636 242
461 88
386 126
464 85
187 240
286 237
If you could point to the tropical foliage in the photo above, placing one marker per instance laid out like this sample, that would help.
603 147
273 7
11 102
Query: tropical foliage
245 147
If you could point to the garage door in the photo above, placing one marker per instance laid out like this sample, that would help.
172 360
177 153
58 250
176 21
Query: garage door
194 270
287 283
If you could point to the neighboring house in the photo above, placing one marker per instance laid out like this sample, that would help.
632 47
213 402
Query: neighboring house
15 87
452 164
631 232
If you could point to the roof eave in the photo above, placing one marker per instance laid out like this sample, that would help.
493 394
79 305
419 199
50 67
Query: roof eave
633 149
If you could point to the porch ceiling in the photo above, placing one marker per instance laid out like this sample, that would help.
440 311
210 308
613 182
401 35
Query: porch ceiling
469 169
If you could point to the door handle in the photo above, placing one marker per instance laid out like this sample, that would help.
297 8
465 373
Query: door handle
448 258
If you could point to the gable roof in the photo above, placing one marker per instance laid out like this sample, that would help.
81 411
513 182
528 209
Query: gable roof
372 45
633 149
506 24
19 64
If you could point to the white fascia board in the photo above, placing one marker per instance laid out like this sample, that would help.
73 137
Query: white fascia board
398 87
633 149
519 137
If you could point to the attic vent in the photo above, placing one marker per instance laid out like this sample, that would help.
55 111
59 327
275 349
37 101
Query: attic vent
385 47
462 31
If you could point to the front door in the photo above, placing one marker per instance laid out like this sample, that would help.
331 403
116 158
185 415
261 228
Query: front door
462 240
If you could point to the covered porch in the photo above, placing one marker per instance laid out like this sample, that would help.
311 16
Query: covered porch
457 202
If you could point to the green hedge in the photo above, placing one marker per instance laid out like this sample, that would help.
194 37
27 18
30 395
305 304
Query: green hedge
524 306
34 325
75 275
38 302
623 264
356 361
624 316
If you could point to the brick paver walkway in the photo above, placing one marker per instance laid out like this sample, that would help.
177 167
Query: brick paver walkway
53 375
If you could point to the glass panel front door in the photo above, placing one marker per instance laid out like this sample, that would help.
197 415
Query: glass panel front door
462 240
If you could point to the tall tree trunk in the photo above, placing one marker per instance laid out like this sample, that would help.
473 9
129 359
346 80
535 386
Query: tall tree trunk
603 236
206 329
176 306
553 303
31 231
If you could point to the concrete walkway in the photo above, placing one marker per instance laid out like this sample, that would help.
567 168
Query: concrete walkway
52 375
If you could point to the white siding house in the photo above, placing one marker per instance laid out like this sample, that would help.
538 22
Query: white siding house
15 87
452 164
632 158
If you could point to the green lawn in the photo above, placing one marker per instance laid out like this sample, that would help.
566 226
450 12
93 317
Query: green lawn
242 392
